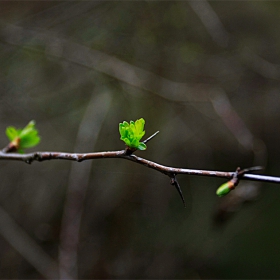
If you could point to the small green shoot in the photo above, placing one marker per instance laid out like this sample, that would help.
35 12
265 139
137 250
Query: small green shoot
230 185
225 188
131 133
23 138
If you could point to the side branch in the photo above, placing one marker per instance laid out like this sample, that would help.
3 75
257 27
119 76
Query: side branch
170 171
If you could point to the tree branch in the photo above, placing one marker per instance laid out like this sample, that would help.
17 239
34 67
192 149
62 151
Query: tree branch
79 157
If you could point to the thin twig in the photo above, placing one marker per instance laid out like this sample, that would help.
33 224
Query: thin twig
42 156
150 138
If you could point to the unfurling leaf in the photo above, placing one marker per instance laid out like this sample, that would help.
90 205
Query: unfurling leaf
131 133
23 138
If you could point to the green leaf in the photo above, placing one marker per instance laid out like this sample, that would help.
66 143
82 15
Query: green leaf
11 133
29 136
139 127
30 141
23 138
132 132
142 146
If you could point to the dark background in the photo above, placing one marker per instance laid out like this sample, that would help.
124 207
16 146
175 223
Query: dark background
205 74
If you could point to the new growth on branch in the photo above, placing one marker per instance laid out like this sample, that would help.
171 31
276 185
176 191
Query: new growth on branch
131 133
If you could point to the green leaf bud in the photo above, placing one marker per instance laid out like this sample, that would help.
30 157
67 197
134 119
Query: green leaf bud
23 138
225 188
131 133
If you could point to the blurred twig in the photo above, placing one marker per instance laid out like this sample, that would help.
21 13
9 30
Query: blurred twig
77 53
27 247
211 21
225 110
238 128
231 119
64 12
243 135
257 63
77 186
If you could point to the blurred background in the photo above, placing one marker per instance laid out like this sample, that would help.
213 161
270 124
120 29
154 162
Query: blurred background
205 74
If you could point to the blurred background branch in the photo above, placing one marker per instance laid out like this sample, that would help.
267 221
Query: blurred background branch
211 21
26 246
78 182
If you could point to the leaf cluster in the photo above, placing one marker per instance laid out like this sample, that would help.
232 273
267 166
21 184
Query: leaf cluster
23 138
131 133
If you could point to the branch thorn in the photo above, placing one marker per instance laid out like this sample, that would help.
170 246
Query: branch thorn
174 182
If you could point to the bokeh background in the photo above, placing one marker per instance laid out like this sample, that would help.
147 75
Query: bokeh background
205 74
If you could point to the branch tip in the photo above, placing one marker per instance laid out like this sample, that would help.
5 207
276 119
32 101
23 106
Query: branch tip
149 138
240 172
